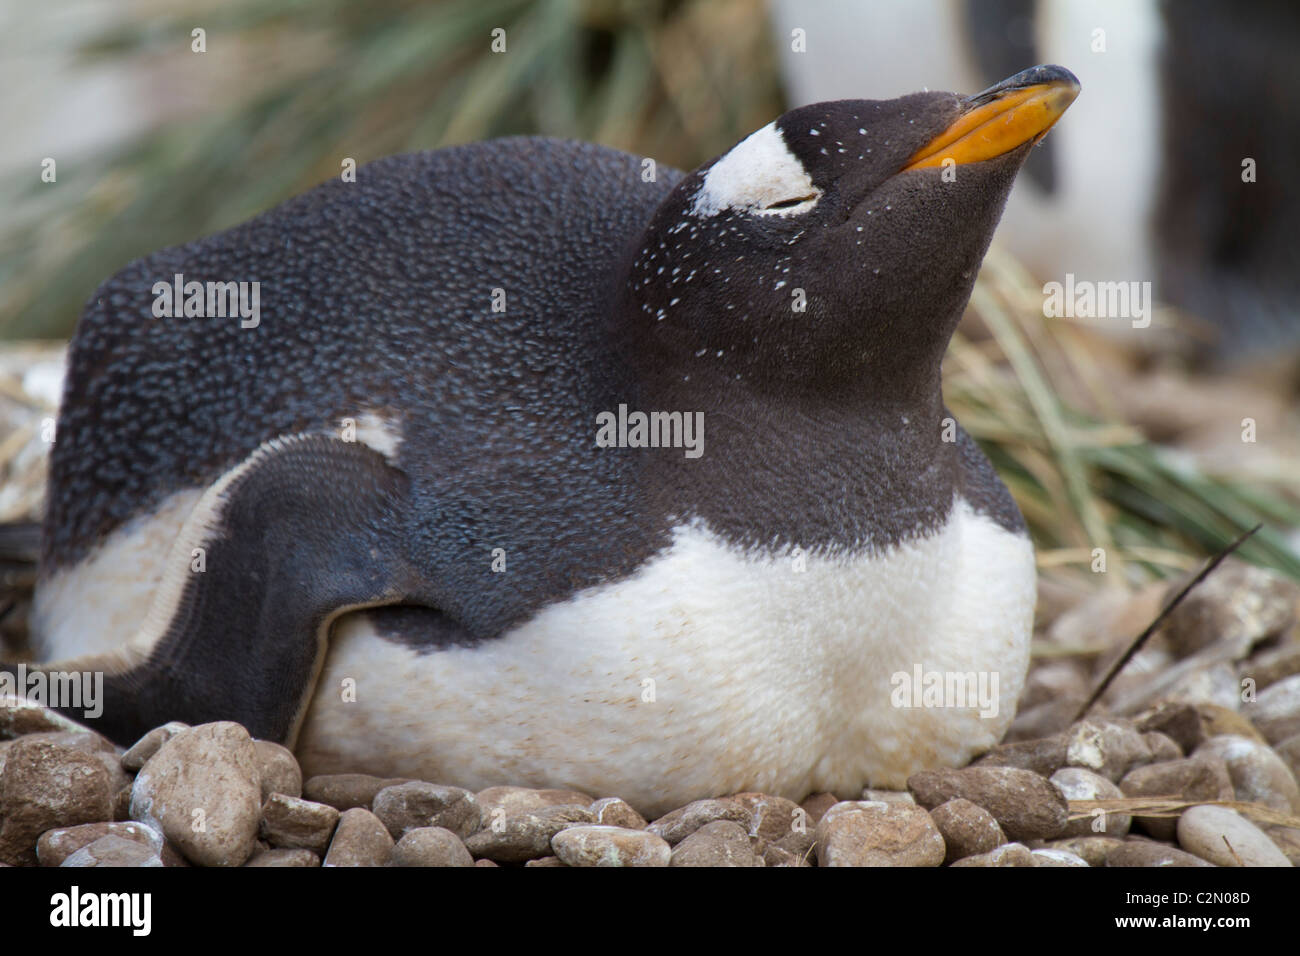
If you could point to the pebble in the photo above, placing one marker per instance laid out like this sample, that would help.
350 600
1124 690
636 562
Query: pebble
19 717
113 851
408 806
1045 720
278 769
610 846
545 861
1147 853
1109 746
967 829
46 786
430 846
816 805
1289 752
1180 722
682 822
1053 680
887 796
858 833
283 857
138 754
57 845
800 842
122 803
1258 774
1093 850
514 800
1276 711
1106 618
93 745
1054 857
1026 805
1043 755
292 823
1163 747
1136 684
1009 854
774 855
1287 840
360 839
1216 721
613 812
1076 783
720 843
525 834
345 791
1239 603
1268 667
772 819
202 790
1213 684
1202 831
1192 779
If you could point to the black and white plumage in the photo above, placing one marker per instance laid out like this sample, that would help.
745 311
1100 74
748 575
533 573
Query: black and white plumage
499 597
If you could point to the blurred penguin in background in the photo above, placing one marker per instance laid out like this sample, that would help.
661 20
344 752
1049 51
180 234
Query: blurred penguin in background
1181 165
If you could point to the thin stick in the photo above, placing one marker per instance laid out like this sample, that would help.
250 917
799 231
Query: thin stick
1151 628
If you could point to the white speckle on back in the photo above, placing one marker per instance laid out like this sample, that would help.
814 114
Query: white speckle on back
382 433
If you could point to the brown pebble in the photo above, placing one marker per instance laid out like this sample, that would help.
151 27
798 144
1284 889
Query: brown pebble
284 857
278 770
1044 755
407 806
345 791
1151 853
524 834
816 805
57 845
360 839
682 822
967 829
47 786
1025 805
720 843
613 812
1191 779
294 824
772 819
857 833
1009 854
430 846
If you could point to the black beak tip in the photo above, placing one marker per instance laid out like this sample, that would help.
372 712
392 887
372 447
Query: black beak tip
1043 75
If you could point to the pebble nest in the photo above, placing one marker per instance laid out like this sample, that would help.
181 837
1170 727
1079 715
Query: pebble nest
1189 759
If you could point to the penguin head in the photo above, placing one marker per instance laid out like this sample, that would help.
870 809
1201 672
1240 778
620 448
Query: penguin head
839 243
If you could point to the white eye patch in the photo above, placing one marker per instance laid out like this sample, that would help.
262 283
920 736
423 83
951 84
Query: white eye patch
759 175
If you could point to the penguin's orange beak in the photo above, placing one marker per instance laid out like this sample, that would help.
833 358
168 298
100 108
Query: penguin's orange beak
1010 114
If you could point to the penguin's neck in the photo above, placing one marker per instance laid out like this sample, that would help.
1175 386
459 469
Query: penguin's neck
857 469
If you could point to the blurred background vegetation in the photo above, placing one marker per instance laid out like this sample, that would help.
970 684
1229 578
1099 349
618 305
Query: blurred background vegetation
288 88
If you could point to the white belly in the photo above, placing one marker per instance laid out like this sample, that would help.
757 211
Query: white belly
710 671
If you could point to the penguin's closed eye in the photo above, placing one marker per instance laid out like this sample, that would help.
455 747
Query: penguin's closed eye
790 203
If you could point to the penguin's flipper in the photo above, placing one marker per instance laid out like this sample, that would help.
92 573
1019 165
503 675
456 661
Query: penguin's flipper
305 528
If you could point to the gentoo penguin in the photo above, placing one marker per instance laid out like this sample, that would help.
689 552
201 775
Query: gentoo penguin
543 466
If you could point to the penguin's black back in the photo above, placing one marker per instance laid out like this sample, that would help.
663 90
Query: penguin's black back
374 296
